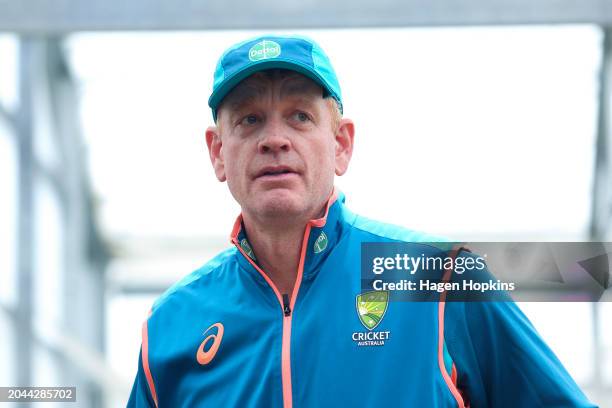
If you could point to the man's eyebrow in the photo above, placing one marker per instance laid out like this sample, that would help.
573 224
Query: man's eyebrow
243 97
239 103
247 94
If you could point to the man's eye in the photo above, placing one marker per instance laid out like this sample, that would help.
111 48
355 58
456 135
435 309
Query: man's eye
301 116
249 120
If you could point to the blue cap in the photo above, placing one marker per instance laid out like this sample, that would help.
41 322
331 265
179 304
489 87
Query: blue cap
296 53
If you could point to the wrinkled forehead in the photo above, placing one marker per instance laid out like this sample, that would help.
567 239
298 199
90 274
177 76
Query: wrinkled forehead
257 86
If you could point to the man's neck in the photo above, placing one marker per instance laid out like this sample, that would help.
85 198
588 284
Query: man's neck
277 245
277 250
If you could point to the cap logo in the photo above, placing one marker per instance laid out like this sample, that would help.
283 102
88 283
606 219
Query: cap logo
264 50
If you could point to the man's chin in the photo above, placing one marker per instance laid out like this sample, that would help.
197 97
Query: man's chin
278 203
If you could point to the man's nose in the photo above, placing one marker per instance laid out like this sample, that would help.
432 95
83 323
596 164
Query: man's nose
274 139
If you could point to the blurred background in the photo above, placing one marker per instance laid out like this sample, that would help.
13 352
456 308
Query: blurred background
476 120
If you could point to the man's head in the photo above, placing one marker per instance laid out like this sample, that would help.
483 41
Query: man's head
279 136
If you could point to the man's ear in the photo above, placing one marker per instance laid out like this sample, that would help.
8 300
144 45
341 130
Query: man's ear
213 141
344 145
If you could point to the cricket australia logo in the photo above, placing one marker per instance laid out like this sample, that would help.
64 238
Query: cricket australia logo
371 308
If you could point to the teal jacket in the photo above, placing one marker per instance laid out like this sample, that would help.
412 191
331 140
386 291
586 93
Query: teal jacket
225 337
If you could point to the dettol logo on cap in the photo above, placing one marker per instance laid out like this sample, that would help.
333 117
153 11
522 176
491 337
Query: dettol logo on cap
264 49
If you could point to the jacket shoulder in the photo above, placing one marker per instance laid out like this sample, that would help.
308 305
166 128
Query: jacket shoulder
391 232
207 269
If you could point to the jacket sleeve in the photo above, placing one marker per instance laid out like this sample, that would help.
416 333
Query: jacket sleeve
140 397
502 361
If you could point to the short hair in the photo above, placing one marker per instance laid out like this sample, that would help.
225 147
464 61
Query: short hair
334 110
279 73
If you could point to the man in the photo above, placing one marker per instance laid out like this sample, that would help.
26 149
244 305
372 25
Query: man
280 320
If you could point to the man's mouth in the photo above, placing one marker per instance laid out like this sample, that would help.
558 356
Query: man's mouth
275 172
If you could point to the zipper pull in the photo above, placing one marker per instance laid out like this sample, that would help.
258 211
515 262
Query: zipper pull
286 308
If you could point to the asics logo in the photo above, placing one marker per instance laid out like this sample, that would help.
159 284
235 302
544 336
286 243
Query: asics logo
205 357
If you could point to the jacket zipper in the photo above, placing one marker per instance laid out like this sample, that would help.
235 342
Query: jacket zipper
286 303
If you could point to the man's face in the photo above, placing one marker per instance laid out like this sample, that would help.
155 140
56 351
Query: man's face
276 146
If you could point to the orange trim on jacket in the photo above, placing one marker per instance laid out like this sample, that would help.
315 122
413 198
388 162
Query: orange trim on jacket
145 360
450 382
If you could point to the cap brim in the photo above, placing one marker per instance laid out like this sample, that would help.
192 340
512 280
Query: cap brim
229 84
